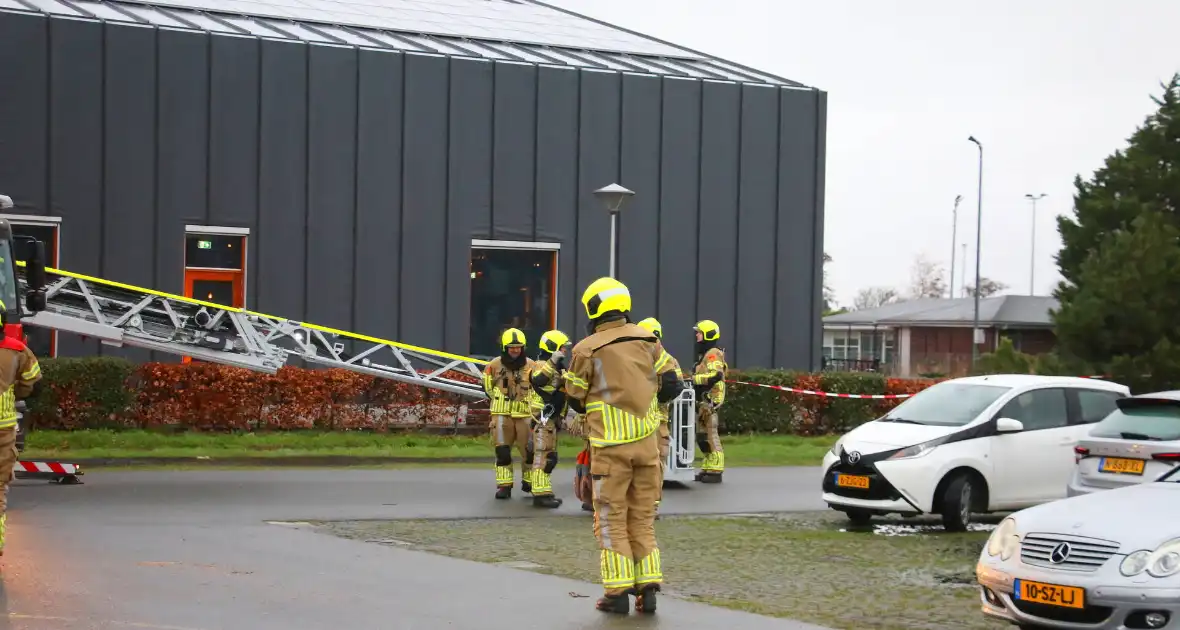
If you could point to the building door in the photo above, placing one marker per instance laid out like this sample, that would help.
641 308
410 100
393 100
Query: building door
513 285
215 267
42 341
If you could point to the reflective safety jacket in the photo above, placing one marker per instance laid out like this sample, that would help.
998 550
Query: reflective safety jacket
19 371
710 365
549 389
615 374
664 411
509 391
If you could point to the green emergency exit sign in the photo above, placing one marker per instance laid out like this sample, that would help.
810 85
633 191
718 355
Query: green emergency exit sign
204 244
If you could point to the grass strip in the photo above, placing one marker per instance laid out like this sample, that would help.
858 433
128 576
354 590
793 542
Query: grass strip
807 567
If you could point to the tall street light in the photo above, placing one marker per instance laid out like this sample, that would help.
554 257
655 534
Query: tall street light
954 237
1032 256
613 196
975 340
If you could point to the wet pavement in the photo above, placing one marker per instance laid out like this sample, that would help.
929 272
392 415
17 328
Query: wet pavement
213 550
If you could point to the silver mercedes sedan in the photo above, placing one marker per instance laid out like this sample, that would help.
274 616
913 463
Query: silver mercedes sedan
1137 442
1102 561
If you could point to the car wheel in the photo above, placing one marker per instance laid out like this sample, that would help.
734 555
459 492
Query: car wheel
859 517
956 504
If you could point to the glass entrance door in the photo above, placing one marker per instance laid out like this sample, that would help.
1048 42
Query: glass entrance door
511 288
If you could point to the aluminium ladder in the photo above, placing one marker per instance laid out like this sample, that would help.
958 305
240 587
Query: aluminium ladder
120 314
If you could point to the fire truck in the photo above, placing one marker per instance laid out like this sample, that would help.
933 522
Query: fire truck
119 314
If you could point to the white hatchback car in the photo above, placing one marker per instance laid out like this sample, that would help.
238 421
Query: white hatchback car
1135 444
968 445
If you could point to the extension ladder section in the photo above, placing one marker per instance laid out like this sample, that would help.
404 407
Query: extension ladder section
120 314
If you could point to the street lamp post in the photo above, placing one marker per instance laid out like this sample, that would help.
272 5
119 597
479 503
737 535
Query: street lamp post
954 237
1032 256
975 341
613 196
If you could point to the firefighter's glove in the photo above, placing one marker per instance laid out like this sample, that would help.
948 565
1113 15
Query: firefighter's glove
557 360
716 378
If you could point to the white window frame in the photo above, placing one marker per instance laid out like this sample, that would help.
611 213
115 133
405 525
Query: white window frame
480 243
42 221
224 230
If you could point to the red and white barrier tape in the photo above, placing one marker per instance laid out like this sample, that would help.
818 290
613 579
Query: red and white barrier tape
809 392
828 394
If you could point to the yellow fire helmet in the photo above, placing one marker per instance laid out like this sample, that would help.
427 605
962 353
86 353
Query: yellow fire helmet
511 337
653 326
605 295
709 330
553 340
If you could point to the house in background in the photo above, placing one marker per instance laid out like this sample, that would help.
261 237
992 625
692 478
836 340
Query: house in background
933 336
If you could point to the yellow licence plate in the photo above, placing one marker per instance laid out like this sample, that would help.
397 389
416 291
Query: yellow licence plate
1051 594
852 481
1122 465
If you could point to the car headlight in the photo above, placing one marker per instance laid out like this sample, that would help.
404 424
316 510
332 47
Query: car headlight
1004 541
836 446
1163 562
918 450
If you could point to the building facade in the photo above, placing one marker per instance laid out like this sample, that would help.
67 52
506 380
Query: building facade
391 175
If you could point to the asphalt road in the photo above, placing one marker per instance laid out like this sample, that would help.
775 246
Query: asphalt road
205 550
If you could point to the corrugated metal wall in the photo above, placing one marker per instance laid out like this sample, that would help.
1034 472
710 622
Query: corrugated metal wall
363 176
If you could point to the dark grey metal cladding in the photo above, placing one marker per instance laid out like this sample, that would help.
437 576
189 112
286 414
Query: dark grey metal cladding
424 200
639 223
307 146
679 203
379 195
557 181
752 336
721 106
474 84
797 303
598 161
513 154
331 184
278 280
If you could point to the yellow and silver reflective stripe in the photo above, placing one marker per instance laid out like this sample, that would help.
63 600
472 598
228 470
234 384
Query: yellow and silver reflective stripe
650 569
503 475
575 381
621 427
618 571
663 360
8 408
542 482
32 372
500 406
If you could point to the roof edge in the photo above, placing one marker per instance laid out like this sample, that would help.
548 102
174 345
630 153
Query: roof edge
789 82
947 323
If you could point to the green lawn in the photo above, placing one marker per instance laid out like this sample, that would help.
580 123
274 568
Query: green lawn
744 450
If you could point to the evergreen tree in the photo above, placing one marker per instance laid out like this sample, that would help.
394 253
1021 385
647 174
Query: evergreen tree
1120 258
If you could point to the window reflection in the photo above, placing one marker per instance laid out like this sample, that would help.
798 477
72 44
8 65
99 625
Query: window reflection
510 288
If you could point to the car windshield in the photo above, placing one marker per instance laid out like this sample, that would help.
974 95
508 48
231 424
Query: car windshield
1155 422
946 404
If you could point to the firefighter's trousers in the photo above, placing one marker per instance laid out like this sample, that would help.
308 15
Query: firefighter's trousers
8 458
544 458
626 484
709 440
508 432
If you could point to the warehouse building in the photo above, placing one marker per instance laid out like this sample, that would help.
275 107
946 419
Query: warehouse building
414 170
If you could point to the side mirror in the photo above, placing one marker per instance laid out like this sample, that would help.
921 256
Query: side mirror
35 267
1008 425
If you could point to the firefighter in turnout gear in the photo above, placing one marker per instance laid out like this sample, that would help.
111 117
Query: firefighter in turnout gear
550 408
19 372
653 326
506 381
709 381
618 376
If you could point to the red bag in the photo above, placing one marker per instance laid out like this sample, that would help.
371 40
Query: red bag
583 484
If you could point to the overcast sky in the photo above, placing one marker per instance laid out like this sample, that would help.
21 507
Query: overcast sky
1050 87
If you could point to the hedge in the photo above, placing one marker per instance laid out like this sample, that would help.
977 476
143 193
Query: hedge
107 392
